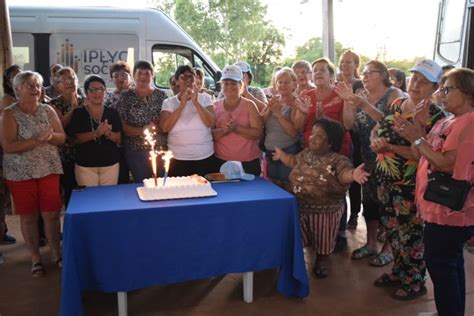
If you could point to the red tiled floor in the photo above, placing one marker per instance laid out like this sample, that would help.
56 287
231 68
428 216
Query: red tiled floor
347 291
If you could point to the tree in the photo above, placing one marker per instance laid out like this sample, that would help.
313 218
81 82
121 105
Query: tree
230 31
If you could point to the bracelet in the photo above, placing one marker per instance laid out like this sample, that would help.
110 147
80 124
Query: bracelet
418 142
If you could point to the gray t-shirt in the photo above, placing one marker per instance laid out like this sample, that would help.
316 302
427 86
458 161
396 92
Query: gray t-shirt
275 134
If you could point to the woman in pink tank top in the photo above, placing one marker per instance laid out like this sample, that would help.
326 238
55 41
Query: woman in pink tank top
238 124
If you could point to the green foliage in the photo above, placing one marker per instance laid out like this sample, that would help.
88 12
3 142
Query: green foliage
229 31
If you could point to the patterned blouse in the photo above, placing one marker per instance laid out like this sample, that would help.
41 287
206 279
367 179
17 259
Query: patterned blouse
391 168
316 181
67 151
138 111
38 162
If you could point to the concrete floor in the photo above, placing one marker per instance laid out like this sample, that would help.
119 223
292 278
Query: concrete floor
347 291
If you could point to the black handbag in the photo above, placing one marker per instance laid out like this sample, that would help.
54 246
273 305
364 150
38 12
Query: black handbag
443 189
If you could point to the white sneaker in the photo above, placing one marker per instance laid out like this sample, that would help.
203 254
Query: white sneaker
428 314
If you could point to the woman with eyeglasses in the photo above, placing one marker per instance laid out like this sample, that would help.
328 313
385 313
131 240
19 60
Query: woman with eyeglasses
304 73
139 110
365 108
120 75
64 105
188 118
32 133
96 130
395 173
447 148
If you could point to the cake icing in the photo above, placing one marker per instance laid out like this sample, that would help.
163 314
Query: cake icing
175 188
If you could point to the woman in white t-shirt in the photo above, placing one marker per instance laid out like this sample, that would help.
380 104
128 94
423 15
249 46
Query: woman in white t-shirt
188 118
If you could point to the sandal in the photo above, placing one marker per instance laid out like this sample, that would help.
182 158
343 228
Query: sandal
385 281
37 269
409 293
320 272
362 252
381 235
380 260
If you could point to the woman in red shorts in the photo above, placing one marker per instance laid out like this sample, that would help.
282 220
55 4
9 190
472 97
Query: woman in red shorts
31 133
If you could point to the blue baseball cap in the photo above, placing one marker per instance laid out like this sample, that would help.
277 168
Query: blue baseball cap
234 170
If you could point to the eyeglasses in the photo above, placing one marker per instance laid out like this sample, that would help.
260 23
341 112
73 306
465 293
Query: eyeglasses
370 72
445 90
96 90
118 75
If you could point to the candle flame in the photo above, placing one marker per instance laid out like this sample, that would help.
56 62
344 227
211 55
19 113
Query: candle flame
150 140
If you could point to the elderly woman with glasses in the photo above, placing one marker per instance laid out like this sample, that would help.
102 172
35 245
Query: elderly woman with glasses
96 130
31 133
304 73
395 172
366 108
188 119
448 149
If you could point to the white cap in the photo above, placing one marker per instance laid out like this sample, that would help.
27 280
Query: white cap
429 69
231 73
244 66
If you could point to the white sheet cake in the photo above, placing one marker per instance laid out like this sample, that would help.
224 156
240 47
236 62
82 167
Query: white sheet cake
175 188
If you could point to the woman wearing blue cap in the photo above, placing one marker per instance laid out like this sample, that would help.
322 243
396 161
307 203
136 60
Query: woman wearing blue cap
395 173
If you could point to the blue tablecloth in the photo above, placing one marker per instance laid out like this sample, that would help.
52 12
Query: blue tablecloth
115 242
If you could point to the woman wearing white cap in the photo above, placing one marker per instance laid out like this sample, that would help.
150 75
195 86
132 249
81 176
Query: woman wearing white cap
252 93
238 124
395 173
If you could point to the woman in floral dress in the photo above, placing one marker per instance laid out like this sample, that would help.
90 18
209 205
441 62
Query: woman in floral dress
320 178
396 172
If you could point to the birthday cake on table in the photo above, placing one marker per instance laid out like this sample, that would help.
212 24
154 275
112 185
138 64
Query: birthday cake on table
175 188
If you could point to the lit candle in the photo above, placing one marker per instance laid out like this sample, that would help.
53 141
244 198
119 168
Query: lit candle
150 140
166 157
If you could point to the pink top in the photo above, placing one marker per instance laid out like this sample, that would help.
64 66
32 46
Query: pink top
233 146
445 137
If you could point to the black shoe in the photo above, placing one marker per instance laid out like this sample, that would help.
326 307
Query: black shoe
341 243
352 223
8 240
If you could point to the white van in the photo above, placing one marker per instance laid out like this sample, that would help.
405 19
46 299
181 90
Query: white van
90 39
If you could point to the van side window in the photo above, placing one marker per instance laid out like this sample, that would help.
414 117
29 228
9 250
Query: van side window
166 60
451 30
23 51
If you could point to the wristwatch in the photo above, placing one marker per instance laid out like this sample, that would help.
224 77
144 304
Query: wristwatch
417 142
